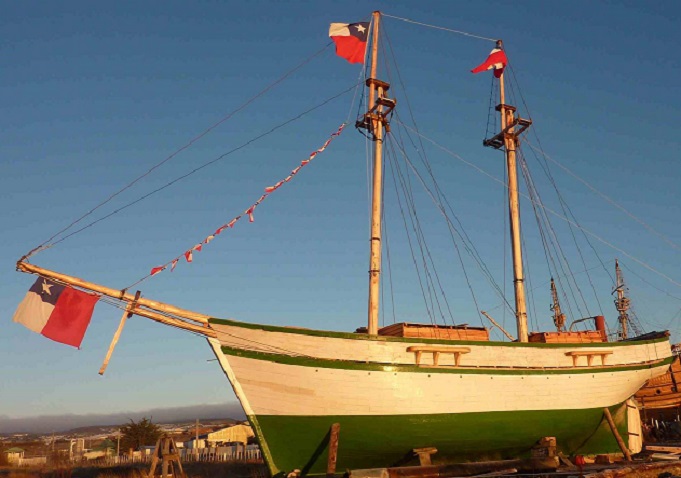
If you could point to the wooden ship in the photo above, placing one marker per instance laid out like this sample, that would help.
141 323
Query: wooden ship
392 390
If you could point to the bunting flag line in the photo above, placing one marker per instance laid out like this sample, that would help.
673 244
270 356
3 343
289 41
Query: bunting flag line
189 254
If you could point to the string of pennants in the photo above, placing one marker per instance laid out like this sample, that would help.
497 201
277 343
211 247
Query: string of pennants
188 255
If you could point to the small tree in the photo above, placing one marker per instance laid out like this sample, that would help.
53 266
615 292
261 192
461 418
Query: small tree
136 435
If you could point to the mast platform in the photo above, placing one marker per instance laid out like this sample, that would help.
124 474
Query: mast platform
497 141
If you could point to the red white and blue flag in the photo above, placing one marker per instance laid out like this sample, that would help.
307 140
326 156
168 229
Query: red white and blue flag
496 59
58 312
350 40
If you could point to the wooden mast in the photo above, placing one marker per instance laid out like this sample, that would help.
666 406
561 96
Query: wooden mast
376 203
558 315
622 304
510 142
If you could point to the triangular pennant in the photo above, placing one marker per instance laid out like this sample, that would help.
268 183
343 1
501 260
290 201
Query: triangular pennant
250 214
189 256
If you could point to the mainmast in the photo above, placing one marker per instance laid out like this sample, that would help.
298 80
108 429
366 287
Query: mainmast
511 127
621 303
374 121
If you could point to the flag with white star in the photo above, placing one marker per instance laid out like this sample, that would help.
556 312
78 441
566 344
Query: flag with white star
58 312
350 40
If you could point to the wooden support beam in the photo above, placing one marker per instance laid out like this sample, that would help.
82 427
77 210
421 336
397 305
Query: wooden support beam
489 468
126 315
333 449
166 452
494 322
436 350
173 322
424 455
665 449
613 429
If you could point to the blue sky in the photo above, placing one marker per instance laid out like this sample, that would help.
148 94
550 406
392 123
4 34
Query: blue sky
94 94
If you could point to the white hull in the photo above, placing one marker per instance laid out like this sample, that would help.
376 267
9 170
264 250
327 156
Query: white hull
282 389
349 374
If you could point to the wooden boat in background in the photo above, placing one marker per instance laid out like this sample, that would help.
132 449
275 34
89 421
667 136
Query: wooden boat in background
663 394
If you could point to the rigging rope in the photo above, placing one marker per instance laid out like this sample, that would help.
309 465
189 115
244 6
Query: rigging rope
421 152
550 240
45 245
540 150
651 285
592 234
467 243
460 32
198 168
563 204
428 263
607 198
411 249
431 295
188 255
568 213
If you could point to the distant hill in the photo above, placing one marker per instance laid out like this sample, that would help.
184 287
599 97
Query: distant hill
68 423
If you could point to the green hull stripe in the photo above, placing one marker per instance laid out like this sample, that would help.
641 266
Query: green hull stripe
371 367
301 442
382 338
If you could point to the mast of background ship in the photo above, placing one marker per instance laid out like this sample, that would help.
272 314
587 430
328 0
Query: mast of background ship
511 127
374 121
621 303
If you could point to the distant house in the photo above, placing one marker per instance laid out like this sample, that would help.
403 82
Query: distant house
104 449
147 450
233 434
224 436
14 455
194 444
95 454
33 461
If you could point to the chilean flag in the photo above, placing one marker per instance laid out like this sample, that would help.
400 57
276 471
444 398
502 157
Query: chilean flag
496 59
350 40
59 312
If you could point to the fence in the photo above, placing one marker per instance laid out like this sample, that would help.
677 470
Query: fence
232 453
31 461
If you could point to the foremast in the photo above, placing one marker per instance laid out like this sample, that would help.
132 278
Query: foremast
511 127
376 123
